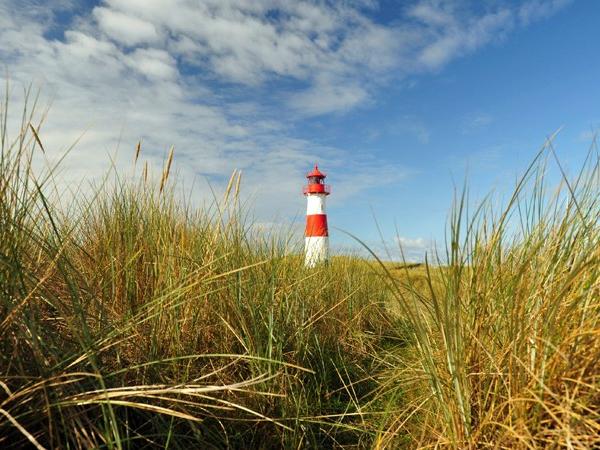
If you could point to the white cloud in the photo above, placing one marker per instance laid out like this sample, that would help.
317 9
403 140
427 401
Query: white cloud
449 32
225 80
399 249
419 243
539 9
415 249
327 96
153 63
126 29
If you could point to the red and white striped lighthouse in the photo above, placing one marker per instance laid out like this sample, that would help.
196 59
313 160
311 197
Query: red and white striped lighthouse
316 241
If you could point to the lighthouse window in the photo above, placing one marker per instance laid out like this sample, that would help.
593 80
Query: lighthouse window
313 180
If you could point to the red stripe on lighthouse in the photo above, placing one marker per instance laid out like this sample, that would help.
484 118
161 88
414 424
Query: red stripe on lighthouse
316 225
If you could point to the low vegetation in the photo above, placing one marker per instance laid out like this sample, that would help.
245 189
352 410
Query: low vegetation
131 319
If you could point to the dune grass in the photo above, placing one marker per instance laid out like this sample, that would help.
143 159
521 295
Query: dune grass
130 319
506 334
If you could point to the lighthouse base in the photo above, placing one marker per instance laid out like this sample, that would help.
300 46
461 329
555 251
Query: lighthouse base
316 250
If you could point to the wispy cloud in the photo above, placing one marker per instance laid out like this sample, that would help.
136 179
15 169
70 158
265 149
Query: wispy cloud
590 134
225 80
401 127
399 248
539 9
413 126
476 122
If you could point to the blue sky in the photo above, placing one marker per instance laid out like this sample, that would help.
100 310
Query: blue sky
396 100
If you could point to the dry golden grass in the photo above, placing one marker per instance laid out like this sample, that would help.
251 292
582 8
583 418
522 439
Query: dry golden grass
132 320
505 349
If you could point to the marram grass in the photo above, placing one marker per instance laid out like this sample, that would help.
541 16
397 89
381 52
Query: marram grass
506 336
132 320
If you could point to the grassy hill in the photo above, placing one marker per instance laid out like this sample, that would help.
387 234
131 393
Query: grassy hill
130 320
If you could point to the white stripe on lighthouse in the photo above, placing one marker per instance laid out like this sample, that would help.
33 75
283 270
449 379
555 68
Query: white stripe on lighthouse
316 249
315 204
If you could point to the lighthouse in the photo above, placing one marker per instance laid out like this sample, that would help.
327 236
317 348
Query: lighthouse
316 241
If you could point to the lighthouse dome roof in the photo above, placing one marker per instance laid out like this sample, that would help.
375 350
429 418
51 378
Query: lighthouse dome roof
316 173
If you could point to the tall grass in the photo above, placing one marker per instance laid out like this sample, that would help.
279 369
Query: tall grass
131 319
506 348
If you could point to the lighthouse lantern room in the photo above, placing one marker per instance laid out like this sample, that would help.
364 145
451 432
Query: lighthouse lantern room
316 244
